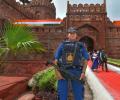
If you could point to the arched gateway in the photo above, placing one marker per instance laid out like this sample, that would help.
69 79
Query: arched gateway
89 42
88 34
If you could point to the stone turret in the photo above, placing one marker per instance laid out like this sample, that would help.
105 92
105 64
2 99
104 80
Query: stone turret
42 9
105 4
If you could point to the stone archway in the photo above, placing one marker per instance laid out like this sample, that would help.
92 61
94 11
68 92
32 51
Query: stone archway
89 42
90 35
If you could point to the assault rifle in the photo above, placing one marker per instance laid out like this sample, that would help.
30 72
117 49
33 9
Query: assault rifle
64 72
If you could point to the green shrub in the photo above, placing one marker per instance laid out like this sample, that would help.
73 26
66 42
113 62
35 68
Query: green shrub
45 80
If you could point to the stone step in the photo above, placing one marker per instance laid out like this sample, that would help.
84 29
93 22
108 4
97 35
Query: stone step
11 87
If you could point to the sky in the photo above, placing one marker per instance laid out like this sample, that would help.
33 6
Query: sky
113 7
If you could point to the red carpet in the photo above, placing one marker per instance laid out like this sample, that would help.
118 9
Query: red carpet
111 81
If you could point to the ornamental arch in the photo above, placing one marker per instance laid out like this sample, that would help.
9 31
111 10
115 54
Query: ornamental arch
89 42
89 35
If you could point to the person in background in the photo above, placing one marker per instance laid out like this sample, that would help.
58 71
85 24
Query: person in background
95 60
103 60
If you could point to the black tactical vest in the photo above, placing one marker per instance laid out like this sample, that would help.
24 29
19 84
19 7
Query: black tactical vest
72 54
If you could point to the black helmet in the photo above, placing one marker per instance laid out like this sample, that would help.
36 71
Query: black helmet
72 30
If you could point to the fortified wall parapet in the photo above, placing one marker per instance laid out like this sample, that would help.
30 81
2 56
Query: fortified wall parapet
96 8
19 8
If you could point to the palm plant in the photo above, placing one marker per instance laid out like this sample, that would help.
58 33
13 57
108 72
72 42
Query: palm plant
16 40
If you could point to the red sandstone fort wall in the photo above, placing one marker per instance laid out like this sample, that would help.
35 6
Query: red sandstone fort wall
11 11
113 42
41 9
91 20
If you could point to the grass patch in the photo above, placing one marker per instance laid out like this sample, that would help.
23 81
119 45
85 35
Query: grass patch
114 61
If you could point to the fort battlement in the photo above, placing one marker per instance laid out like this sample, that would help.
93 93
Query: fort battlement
41 9
46 3
13 4
98 8
36 9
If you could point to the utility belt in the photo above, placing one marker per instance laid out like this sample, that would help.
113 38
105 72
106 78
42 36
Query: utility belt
71 72
72 67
